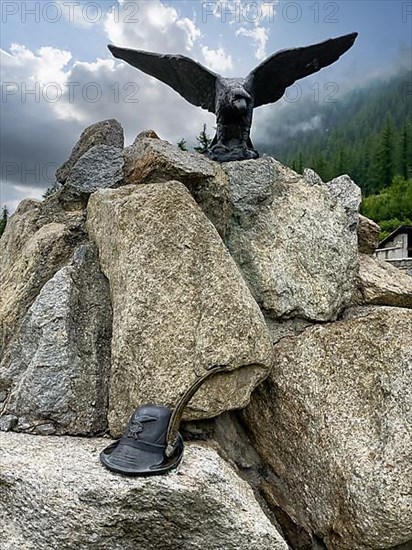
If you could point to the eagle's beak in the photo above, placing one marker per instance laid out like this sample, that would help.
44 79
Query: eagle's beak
240 104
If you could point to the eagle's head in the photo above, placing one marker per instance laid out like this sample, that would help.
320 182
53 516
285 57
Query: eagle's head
241 100
232 96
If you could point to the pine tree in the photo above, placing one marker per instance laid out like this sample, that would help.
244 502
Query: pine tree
204 141
319 166
387 150
406 151
341 162
365 170
385 155
3 220
182 144
300 164
51 190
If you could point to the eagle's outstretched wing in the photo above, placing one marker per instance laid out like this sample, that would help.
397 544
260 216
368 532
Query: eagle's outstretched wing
187 77
269 80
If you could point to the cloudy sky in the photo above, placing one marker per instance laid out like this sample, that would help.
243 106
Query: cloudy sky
58 75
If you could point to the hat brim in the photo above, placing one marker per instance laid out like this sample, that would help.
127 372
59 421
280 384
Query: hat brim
129 460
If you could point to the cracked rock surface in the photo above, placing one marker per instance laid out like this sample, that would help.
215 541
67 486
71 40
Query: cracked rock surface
56 494
180 305
333 421
54 376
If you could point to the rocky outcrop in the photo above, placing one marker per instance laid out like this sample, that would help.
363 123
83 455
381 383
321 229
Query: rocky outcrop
185 250
293 237
39 240
100 168
151 160
380 283
53 378
107 132
56 494
368 235
333 422
294 242
348 195
180 305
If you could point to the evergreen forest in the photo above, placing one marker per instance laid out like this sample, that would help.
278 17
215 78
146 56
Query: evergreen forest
367 134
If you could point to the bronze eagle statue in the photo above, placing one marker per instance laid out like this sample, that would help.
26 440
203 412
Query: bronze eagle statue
232 100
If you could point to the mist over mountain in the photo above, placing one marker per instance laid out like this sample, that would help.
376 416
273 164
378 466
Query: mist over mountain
366 133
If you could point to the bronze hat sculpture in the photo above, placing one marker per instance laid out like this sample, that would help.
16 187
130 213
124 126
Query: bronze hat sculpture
232 100
152 444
